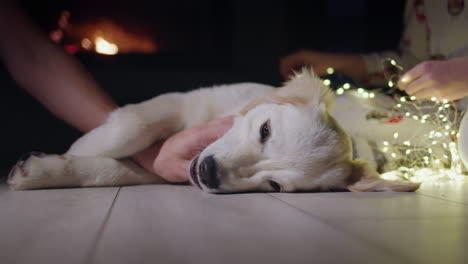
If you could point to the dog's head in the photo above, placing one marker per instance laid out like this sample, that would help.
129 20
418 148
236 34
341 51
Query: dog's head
287 142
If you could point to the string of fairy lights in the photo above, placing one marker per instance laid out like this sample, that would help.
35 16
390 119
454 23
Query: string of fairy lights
432 155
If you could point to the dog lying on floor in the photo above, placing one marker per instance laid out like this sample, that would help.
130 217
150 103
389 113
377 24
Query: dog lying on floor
283 139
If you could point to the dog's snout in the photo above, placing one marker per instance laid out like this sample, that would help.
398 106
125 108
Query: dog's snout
208 172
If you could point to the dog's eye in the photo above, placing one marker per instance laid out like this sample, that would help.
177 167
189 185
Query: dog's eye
275 186
265 131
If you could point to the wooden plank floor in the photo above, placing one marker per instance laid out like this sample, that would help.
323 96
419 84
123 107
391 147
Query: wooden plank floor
180 224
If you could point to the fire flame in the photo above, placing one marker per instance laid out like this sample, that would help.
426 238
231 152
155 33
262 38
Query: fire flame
104 47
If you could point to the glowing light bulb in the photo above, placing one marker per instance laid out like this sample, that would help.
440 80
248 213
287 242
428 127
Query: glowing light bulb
104 47
330 70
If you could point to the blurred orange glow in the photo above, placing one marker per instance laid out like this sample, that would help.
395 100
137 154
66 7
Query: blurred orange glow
86 44
110 36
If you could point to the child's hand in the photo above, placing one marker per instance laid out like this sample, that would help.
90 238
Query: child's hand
444 80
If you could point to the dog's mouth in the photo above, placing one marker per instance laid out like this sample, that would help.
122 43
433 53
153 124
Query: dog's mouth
194 171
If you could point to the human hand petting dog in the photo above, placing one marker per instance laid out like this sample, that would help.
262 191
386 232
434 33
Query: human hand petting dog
170 159
351 65
172 162
444 80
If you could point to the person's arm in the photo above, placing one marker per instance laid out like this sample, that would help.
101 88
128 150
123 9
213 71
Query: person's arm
349 64
66 89
53 77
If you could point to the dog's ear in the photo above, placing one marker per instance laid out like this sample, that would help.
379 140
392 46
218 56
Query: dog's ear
365 179
304 89
308 86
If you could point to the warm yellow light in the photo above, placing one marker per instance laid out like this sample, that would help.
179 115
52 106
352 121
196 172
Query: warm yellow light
326 82
330 70
340 91
104 47
346 86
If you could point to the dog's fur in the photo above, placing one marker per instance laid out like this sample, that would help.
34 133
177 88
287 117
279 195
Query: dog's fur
286 139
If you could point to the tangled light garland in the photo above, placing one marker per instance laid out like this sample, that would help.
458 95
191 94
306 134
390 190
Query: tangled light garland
430 156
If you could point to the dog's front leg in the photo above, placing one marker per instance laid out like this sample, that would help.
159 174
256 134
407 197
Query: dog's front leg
38 171
132 128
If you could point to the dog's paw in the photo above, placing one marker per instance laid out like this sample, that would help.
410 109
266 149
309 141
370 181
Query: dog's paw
35 170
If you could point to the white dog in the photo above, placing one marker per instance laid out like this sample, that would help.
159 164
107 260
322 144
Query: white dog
283 139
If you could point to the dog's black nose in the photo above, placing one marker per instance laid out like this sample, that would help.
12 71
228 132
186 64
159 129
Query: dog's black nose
208 172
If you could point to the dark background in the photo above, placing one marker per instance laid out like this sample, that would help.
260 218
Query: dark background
202 42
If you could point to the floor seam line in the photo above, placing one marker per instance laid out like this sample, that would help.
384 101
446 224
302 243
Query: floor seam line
442 199
358 238
93 249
